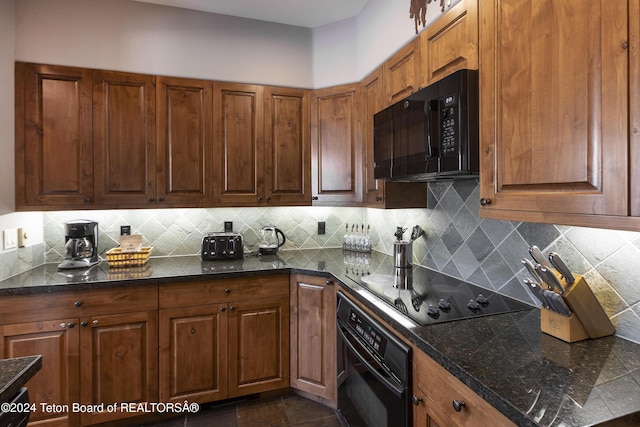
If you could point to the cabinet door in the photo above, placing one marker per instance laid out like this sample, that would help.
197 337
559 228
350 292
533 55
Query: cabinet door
313 336
58 382
402 72
287 168
54 151
193 353
258 346
554 110
634 98
373 94
239 145
184 141
450 43
124 138
336 165
118 362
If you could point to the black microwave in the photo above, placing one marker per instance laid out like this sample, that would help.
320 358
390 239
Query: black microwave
432 134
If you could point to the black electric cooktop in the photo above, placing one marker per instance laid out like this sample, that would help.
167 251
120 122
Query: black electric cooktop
428 297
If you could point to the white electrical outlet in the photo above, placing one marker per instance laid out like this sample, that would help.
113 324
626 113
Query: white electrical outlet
23 237
10 238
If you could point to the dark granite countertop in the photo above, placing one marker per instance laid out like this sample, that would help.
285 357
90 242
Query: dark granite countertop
14 374
532 378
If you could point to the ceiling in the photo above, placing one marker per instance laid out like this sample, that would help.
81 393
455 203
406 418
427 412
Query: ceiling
304 13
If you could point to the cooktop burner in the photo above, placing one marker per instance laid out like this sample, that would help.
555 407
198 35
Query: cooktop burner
428 297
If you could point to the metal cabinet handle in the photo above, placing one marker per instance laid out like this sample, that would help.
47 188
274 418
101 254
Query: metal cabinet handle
223 309
71 325
329 282
416 400
63 325
485 202
161 199
457 405
78 303
227 291
232 308
95 323
84 324
151 200
314 198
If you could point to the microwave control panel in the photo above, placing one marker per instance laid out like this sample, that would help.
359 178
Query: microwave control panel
449 125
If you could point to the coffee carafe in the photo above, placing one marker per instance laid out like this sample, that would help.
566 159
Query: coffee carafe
270 240
81 242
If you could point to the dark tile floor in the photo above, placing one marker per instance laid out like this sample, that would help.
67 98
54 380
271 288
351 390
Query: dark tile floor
282 411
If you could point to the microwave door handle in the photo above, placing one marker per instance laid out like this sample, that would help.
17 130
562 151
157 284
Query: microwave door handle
432 105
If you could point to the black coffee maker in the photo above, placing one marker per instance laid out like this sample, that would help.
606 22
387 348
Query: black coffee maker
81 241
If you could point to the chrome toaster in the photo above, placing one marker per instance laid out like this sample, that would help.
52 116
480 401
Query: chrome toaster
221 246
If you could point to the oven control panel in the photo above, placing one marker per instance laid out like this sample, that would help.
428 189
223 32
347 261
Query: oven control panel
367 332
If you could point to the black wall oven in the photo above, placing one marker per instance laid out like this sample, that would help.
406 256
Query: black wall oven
374 371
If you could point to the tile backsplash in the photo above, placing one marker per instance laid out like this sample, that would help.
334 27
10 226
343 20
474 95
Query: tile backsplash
456 241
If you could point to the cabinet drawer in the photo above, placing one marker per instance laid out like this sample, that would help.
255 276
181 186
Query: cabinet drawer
60 305
223 290
442 388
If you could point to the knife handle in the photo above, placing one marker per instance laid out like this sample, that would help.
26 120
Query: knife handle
559 264
538 256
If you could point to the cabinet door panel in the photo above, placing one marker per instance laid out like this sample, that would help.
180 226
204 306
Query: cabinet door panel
239 144
402 72
185 141
287 167
54 150
258 346
451 42
119 362
57 383
554 107
199 375
313 337
336 153
124 138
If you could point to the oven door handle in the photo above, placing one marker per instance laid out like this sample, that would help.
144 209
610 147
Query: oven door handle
398 391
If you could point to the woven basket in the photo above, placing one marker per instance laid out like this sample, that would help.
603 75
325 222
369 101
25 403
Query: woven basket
117 258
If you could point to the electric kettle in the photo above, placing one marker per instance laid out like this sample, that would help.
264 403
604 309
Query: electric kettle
270 240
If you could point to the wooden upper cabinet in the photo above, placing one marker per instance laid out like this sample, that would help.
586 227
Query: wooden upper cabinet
450 43
336 168
54 152
184 141
634 99
373 95
239 144
554 110
287 168
124 138
402 72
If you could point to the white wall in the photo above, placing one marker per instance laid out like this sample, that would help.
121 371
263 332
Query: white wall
7 167
146 38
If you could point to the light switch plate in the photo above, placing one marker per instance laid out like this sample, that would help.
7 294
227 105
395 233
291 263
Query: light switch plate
10 238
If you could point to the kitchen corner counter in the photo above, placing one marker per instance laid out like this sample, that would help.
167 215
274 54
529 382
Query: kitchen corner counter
14 374
532 378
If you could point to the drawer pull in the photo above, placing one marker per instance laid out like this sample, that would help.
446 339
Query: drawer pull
84 324
71 325
63 325
95 323
223 309
232 308
78 303
193 331
227 291
416 400
329 282
457 405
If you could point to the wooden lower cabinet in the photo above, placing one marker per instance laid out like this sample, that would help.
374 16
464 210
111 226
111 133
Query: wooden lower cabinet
58 382
313 336
223 338
100 347
436 393
258 346
118 363
199 375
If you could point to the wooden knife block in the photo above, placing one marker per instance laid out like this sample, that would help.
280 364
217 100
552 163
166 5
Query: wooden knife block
588 320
